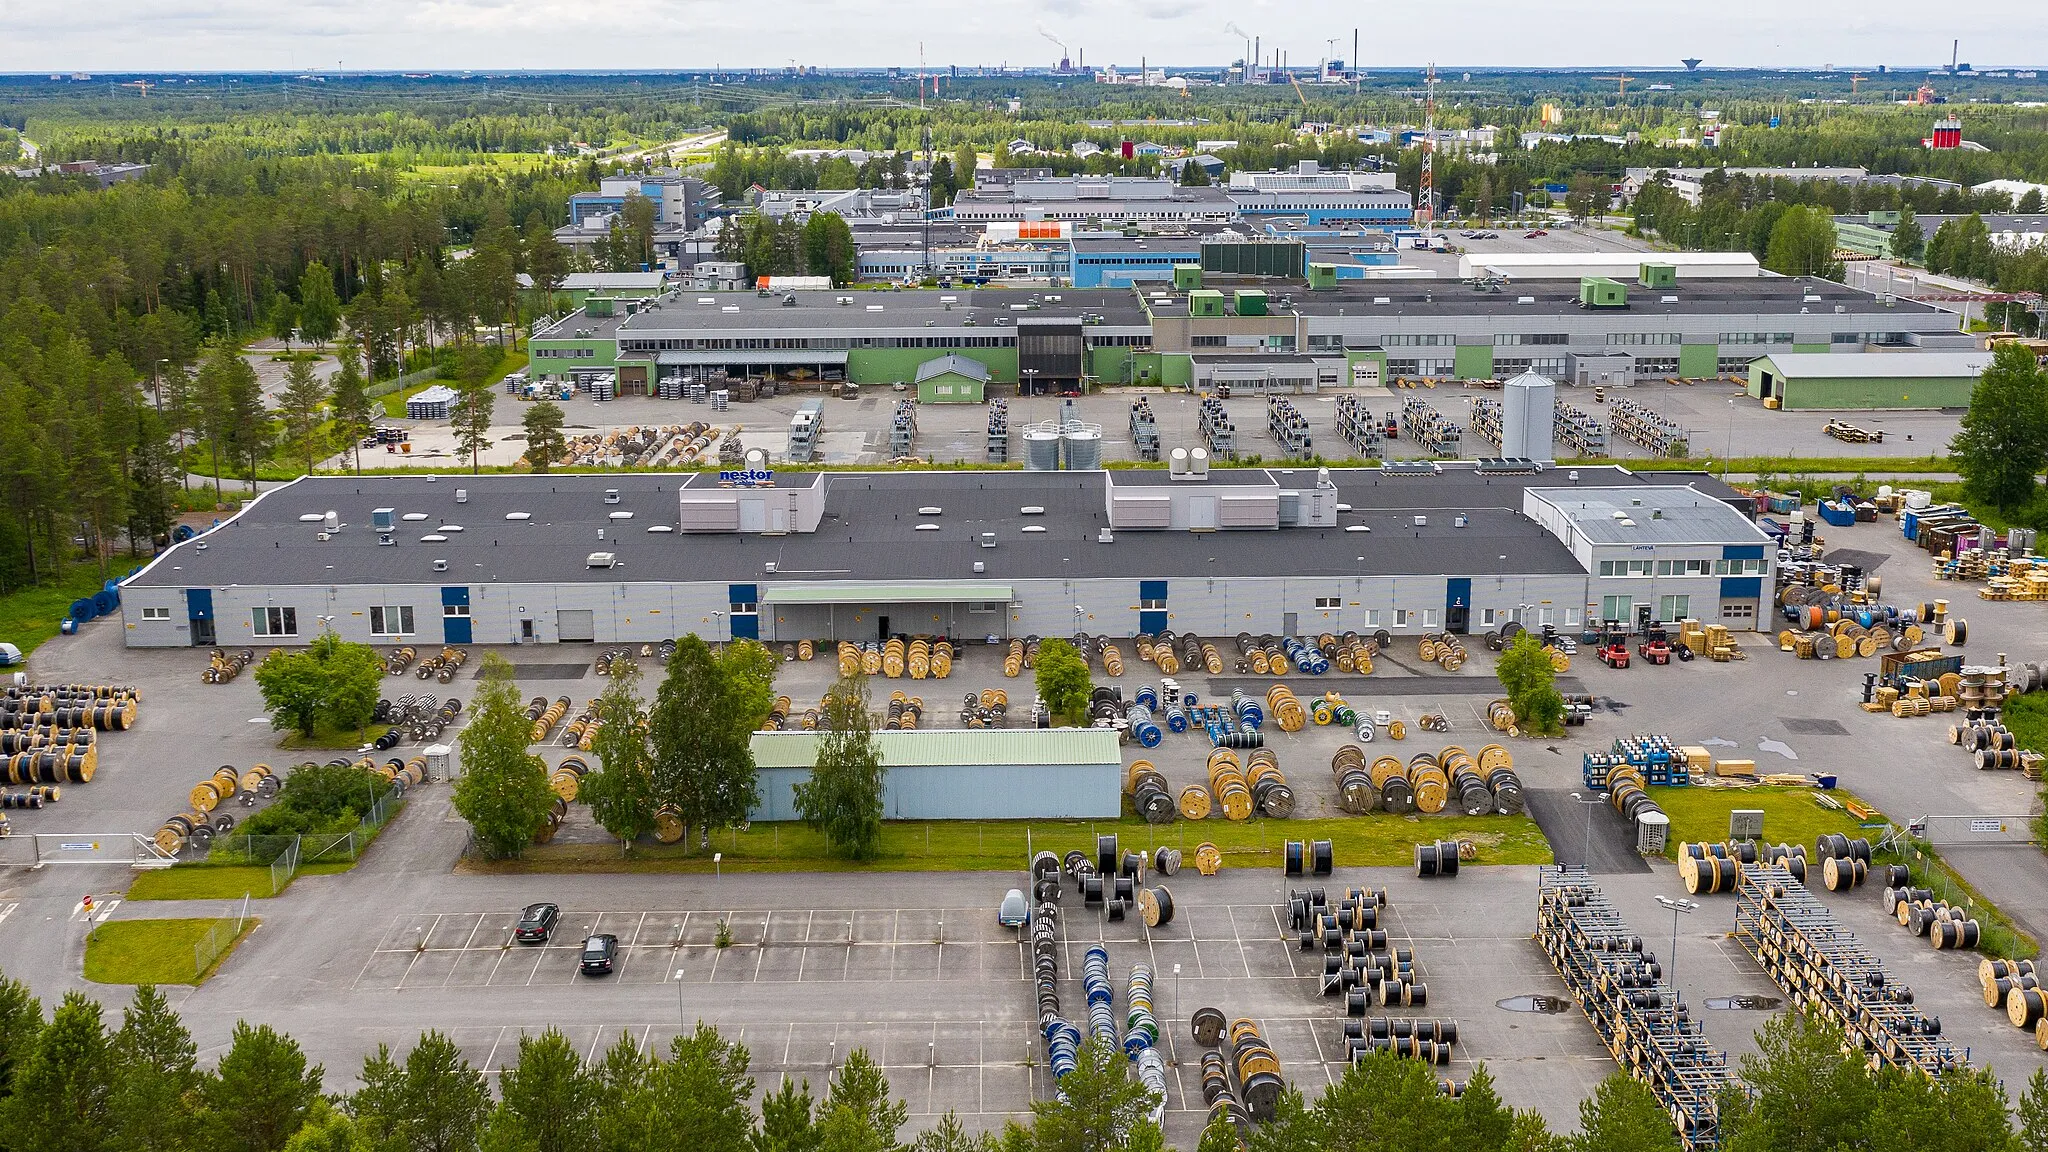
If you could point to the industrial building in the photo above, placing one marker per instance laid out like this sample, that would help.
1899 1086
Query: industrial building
1867 379
963 774
512 559
1351 332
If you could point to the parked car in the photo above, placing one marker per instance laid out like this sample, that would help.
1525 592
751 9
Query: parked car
1014 912
598 954
537 923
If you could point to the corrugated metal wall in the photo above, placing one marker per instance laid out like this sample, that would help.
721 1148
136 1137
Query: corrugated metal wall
973 792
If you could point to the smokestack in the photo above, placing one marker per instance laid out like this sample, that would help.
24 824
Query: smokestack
1258 47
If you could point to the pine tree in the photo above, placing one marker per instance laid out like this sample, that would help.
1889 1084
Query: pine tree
259 1094
63 1091
2033 1113
1623 1116
352 410
857 1115
156 1077
304 395
547 1100
503 790
788 1123
434 1102
544 438
470 414
1099 1106
319 308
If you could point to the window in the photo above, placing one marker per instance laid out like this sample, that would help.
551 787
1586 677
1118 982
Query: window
1733 365
391 620
1329 603
1626 567
1656 365
1400 617
985 606
1411 340
1637 338
1486 616
1372 617
1685 567
1571 617
1517 339
276 621
1614 607
740 608
1756 338
455 611
1741 610
1674 607
1208 341
156 613
1429 617
1153 605
1739 567
1325 343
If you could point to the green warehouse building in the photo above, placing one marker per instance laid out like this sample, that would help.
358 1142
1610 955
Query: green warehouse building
1867 379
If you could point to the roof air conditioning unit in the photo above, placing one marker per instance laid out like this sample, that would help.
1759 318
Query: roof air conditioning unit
440 565
600 560
462 495
979 568
769 567
611 495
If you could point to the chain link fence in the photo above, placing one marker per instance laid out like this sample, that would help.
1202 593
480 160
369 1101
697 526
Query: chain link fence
216 941
285 855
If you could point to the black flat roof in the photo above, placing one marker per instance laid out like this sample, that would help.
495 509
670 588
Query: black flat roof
869 531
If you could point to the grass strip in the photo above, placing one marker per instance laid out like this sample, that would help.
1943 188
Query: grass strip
155 951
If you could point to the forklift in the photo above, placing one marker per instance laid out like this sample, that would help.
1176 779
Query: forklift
1655 646
1613 650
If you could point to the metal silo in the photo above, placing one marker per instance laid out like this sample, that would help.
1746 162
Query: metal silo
1042 448
1528 416
1084 446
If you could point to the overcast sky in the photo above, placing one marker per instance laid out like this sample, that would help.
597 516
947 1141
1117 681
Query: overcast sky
229 35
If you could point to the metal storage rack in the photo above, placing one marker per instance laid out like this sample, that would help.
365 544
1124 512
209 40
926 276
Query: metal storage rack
1144 429
1217 430
1640 424
998 432
804 428
1287 425
1359 428
1826 969
1486 420
1430 429
1640 1018
1579 430
903 429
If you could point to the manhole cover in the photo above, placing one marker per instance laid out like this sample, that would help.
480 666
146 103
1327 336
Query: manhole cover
1550 1004
1746 1004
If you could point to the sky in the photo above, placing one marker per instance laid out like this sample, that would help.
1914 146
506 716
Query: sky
421 35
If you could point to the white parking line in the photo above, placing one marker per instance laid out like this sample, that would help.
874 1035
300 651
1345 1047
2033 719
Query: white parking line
7 910
107 911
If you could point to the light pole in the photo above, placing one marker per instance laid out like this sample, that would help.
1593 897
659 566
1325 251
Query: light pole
1731 439
680 1024
1678 908
1586 861
1171 1044
1031 381
717 624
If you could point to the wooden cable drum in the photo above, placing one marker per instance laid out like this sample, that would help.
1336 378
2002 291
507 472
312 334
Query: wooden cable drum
567 778
2026 1007
552 822
1227 785
1356 793
1492 756
1155 906
1195 802
942 660
1270 793
668 824
1501 715
1285 708
1208 858
1841 873
1954 933
1703 873
1432 785
1148 792
1955 630
1559 662
1397 793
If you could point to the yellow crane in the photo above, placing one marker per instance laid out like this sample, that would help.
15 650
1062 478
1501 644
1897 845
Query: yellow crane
1854 82
1624 81
1298 91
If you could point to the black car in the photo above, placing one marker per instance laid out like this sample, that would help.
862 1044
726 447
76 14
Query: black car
537 923
598 953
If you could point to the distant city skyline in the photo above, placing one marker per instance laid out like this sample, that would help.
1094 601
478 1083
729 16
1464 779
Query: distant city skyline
443 35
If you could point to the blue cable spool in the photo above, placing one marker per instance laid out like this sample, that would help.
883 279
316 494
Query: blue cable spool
82 610
105 601
1189 700
1146 733
182 533
1176 720
1147 697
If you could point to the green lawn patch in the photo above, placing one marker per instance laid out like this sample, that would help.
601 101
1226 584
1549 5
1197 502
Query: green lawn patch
154 951
30 615
203 882
997 846
327 737
1790 815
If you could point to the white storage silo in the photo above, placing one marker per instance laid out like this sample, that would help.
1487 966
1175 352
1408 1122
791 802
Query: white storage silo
1042 448
1528 418
1084 446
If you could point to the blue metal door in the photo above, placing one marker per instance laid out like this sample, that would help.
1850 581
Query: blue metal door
1457 604
199 613
746 626
1151 607
1151 622
743 599
455 626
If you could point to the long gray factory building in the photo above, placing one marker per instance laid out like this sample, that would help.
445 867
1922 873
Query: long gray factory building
973 555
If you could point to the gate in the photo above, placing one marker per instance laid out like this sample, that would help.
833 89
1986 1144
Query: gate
1972 830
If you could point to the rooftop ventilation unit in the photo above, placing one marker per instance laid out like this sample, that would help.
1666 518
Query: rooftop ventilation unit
600 560
433 538
462 495
440 565
1410 468
1509 465
660 528
611 495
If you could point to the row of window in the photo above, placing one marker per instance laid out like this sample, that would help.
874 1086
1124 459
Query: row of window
1896 339
1756 338
1682 567
1440 368
1632 338
564 353
1656 366
273 621
1418 340
1623 607
1514 339
1552 366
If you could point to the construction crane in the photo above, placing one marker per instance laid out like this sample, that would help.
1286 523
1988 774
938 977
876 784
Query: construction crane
1624 81
1854 81
1425 191
142 87
1298 91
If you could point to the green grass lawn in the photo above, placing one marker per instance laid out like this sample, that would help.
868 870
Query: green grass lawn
29 616
203 882
991 846
327 737
153 951
1790 815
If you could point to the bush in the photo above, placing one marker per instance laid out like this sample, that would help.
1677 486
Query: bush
319 798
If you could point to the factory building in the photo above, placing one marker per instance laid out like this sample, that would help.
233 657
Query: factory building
1867 379
511 559
1591 330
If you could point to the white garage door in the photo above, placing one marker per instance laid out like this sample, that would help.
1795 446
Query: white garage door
575 624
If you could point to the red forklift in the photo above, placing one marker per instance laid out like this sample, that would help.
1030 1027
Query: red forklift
1655 646
1613 650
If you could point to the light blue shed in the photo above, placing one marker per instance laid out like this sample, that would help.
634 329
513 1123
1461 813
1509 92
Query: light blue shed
964 774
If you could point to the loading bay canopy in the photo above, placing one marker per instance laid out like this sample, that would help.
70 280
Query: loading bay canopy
868 592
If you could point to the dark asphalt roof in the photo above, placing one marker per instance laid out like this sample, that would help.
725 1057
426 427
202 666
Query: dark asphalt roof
911 309
869 532
1766 295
